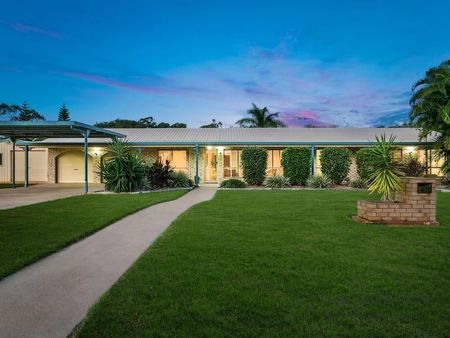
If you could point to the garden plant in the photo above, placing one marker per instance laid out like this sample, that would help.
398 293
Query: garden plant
335 163
385 174
254 165
296 163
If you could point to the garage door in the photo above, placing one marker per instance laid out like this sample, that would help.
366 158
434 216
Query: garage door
70 167
37 165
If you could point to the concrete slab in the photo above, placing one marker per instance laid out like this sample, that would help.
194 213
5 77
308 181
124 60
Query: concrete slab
50 297
11 198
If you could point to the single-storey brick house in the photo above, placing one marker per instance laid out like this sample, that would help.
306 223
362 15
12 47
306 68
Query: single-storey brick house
212 154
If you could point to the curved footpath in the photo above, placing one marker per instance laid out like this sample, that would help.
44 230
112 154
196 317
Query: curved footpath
49 298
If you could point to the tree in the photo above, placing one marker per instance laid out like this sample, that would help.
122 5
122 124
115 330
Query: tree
213 124
5 110
63 114
260 118
178 125
145 122
22 113
430 109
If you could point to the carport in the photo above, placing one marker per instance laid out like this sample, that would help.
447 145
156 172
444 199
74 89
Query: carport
24 133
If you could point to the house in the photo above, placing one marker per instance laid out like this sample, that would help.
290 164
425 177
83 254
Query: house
212 154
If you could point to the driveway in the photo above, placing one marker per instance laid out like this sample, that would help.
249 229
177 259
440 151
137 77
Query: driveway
11 198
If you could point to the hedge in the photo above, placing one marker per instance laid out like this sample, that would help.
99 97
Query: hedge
296 163
335 163
364 163
254 165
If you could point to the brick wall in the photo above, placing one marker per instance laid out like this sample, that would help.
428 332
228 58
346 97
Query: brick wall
410 207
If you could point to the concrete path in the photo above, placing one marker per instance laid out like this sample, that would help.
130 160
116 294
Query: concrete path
11 198
50 297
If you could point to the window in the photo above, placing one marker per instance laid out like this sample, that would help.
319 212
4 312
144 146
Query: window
434 164
177 158
231 163
274 162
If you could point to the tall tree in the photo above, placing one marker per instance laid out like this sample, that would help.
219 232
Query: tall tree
430 109
20 113
63 114
260 118
213 124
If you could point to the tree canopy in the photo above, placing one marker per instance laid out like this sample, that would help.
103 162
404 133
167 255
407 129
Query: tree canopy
63 114
20 113
260 118
145 122
430 109
213 124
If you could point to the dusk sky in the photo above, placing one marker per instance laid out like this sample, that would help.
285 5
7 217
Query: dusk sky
349 63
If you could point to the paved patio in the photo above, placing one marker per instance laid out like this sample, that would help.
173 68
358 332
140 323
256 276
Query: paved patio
11 198
49 298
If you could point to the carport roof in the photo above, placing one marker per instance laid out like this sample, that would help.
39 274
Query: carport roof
20 130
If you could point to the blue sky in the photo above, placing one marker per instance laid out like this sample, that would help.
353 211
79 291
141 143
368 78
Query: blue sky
349 63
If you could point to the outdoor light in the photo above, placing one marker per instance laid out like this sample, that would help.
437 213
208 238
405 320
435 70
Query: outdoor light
410 150
96 151
220 150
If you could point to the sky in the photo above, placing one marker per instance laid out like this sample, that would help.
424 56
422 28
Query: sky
344 63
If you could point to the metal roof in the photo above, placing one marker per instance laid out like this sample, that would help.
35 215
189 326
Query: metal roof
253 136
54 129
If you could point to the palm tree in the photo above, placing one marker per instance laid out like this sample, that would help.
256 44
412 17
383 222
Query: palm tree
430 109
260 118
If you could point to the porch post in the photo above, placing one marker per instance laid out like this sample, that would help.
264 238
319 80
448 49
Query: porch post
86 162
196 178
13 160
312 159
26 183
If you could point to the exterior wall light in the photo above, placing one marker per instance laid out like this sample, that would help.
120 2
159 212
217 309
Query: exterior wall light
410 150
220 150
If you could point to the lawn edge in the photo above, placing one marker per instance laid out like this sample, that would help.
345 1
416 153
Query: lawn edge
85 235
78 327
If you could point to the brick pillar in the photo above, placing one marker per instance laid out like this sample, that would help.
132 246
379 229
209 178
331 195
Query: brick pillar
53 153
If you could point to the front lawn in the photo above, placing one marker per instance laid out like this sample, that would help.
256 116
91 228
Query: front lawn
283 264
31 232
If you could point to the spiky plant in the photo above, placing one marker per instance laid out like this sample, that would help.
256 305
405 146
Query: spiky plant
384 173
277 182
124 169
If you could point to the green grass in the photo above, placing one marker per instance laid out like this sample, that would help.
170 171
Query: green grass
283 264
31 232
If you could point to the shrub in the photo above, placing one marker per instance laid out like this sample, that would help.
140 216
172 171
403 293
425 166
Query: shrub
296 163
335 163
233 183
254 164
412 167
179 179
124 170
319 181
358 183
385 173
159 174
364 162
277 182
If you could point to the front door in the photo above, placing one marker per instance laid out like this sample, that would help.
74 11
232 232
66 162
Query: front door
211 166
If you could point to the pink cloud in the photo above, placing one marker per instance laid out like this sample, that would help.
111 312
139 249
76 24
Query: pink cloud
303 118
107 81
20 27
